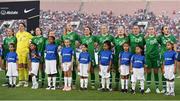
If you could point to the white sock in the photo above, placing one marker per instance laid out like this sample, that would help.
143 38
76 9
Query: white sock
81 82
85 82
69 81
142 84
65 81
14 80
10 80
34 80
107 83
127 81
167 86
171 86
122 83
49 81
133 85
103 82
54 81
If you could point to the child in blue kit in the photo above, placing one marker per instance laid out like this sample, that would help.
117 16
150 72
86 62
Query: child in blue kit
137 69
84 67
105 62
169 69
67 54
124 65
50 62
11 66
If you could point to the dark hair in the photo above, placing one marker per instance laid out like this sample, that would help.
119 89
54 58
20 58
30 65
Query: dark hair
12 44
90 29
162 29
108 43
171 44
142 52
40 29
85 45
125 43
51 37
22 24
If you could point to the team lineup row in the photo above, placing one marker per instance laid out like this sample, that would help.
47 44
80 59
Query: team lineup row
126 54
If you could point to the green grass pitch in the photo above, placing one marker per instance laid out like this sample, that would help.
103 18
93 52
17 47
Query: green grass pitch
42 94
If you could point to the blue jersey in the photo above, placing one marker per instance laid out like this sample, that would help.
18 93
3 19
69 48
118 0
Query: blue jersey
67 53
35 59
125 58
84 58
12 57
105 57
138 61
169 57
51 52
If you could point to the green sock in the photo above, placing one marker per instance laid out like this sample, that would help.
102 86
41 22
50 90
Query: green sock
156 79
62 77
117 76
73 77
92 79
163 82
148 80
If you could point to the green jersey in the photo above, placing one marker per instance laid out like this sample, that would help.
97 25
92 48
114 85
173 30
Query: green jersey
6 43
102 38
152 46
40 42
118 47
164 39
89 40
72 36
136 40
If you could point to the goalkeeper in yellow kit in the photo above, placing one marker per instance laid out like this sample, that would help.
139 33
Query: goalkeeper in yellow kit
23 41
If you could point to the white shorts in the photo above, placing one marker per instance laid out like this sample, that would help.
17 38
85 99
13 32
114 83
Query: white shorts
124 70
50 67
12 69
169 72
103 72
34 68
138 74
83 70
65 66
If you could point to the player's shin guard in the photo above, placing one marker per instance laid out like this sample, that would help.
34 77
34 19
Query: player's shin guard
171 84
142 84
65 81
85 82
10 80
167 86
107 83
69 81
163 82
49 81
148 80
133 84
156 79
126 82
92 79
34 81
81 83
122 84
54 81
103 80
14 80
